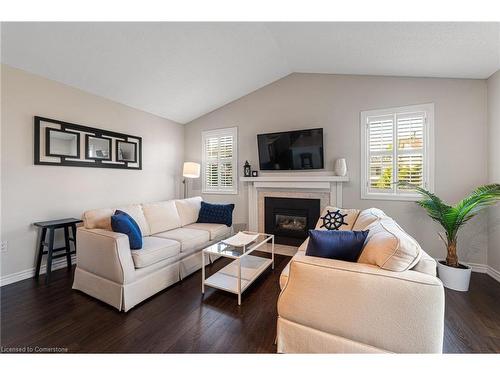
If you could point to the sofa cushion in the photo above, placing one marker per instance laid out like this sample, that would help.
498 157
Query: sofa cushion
188 209
367 217
390 247
121 222
217 231
155 249
190 239
336 244
135 210
98 219
161 216
347 218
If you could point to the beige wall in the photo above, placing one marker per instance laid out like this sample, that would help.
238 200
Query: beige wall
334 102
31 192
494 167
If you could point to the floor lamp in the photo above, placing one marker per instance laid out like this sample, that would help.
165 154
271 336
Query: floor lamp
189 170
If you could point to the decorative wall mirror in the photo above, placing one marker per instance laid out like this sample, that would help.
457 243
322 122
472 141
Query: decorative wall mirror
62 143
126 151
97 148
58 143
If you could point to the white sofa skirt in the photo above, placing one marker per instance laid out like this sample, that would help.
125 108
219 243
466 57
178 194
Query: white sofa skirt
124 297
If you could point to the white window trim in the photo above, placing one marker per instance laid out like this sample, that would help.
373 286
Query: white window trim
428 153
219 133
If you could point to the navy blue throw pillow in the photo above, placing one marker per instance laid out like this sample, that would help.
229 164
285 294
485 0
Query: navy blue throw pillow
336 244
134 223
121 222
216 213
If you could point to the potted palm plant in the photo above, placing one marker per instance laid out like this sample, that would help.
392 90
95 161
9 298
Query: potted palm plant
453 274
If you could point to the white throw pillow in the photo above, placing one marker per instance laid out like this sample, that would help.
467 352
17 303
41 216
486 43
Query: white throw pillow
188 210
161 216
390 247
334 218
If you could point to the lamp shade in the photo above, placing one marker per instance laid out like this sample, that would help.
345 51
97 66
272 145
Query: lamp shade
191 170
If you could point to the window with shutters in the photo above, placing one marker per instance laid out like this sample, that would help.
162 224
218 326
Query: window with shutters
397 145
219 166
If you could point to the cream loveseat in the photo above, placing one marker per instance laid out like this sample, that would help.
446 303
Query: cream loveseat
390 301
172 242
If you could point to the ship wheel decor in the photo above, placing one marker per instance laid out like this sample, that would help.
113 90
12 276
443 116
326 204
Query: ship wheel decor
333 220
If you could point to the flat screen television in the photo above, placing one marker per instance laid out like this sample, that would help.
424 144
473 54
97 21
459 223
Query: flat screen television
293 150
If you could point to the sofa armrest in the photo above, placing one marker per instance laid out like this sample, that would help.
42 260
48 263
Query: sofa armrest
394 311
105 253
303 245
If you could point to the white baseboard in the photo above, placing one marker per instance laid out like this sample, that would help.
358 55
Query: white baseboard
478 267
483 268
494 273
29 273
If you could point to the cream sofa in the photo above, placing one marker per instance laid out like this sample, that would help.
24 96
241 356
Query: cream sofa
390 301
172 242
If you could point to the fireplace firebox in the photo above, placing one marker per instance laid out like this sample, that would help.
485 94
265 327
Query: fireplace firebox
290 219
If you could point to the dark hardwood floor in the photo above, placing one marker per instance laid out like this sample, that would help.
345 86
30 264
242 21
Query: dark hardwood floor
472 319
179 320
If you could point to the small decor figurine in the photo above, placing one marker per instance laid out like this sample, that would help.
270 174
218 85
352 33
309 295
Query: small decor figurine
255 174
246 169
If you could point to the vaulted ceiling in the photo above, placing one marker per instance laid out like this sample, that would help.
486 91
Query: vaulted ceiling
181 71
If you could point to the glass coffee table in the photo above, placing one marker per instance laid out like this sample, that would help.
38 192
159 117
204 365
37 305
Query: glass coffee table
243 270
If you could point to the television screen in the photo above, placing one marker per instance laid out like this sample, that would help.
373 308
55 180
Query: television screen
300 149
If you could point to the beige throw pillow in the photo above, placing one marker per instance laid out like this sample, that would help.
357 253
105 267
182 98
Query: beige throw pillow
390 247
98 219
367 217
334 218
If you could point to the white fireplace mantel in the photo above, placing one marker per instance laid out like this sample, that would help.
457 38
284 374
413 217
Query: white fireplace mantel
333 184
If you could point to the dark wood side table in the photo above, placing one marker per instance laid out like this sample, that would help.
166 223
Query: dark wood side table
51 226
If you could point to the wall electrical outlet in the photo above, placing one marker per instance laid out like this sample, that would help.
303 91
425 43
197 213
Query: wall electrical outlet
4 246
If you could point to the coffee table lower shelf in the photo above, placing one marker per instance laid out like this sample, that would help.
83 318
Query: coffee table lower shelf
227 278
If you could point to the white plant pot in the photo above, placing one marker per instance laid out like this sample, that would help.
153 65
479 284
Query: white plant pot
454 278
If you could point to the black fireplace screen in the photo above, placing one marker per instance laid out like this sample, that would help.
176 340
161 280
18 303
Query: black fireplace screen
290 222
290 219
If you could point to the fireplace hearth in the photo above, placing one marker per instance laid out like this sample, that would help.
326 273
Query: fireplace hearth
290 219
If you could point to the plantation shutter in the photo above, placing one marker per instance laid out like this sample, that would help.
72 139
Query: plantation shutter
395 150
211 163
380 152
410 151
219 161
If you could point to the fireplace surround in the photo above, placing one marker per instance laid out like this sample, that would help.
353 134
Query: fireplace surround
325 187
